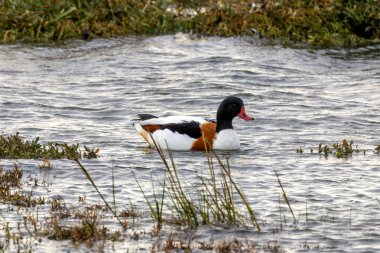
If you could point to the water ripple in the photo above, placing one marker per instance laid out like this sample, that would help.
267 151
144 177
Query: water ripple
90 92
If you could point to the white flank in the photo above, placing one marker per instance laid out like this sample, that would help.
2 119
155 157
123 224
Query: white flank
227 140
166 139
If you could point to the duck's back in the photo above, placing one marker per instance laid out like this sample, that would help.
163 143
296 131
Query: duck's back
178 132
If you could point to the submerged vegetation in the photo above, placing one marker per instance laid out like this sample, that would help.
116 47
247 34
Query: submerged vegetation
320 23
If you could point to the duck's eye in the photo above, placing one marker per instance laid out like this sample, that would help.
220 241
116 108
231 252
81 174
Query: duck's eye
234 105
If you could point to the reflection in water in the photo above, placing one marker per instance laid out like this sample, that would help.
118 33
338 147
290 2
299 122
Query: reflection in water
90 92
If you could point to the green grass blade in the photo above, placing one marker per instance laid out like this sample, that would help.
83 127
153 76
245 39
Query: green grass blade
85 172
153 212
285 196
241 194
62 15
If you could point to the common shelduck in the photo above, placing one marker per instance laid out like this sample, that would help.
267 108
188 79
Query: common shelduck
194 133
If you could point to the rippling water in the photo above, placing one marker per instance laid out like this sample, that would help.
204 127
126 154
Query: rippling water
90 92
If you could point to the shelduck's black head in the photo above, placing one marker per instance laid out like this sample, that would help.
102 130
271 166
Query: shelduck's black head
230 108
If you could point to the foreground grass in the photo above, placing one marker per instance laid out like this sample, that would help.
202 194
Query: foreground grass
207 201
319 23
215 200
213 204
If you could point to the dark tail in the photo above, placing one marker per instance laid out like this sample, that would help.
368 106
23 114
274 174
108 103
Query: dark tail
146 116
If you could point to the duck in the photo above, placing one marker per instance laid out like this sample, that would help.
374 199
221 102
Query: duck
194 133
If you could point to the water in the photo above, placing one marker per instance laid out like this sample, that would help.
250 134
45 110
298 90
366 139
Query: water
90 92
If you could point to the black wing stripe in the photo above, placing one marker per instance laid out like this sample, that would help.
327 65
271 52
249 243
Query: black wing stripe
191 128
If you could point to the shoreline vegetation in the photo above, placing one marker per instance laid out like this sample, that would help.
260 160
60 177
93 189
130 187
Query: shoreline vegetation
327 23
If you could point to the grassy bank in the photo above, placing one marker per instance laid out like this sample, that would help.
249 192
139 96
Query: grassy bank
319 23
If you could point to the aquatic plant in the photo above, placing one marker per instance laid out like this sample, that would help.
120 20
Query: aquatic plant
320 23
339 150
88 227
11 179
343 149
238 245
285 196
156 207
72 153
15 147
377 150
214 204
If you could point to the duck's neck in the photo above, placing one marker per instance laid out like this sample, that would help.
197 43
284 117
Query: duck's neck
223 123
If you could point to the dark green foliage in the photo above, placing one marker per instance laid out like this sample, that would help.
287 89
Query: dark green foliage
14 147
319 23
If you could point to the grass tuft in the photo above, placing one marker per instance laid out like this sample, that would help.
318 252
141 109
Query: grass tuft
15 147
206 202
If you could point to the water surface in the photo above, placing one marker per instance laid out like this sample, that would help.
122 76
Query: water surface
90 92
